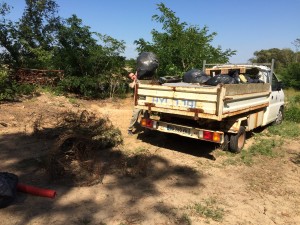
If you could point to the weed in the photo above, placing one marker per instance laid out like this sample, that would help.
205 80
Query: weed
52 90
230 161
296 159
292 110
73 101
292 113
208 209
184 219
287 129
140 150
263 146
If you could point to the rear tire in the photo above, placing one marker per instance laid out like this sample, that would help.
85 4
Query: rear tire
237 141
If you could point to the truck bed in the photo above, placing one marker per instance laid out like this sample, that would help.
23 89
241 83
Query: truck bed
202 101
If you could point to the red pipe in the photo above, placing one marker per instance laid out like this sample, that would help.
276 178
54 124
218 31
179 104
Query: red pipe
36 191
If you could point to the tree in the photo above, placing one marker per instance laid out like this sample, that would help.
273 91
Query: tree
296 43
291 75
286 63
181 47
29 42
10 53
74 42
283 57
79 53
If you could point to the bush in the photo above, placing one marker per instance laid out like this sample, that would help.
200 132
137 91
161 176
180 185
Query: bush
6 87
94 87
84 86
292 113
292 110
291 75
24 89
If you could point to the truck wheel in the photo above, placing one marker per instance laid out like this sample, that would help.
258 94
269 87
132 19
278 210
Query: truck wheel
279 118
237 141
225 145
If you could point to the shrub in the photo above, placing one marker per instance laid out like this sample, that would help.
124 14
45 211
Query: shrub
6 88
94 87
85 86
292 113
291 75
24 89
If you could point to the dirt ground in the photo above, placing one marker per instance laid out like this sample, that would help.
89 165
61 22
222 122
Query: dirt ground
185 181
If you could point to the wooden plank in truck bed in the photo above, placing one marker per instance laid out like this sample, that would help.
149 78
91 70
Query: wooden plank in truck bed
240 89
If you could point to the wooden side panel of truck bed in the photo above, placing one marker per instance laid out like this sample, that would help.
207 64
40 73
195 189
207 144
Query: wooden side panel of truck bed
211 102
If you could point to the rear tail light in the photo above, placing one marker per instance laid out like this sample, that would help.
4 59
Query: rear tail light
207 135
148 123
143 122
217 137
211 136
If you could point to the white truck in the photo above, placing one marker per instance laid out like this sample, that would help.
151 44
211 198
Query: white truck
220 114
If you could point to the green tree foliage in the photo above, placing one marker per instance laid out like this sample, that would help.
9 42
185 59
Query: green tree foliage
43 40
283 57
291 75
79 53
8 37
287 63
91 61
6 89
181 47
29 42
73 50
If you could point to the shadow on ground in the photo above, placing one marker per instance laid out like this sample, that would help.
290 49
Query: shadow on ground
133 178
179 143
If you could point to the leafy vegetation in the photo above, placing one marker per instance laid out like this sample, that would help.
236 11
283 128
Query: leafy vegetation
262 146
291 75
9 89
93 63
181 47
287 129
267 144
6 90
287 63
292 111
209 209
41 39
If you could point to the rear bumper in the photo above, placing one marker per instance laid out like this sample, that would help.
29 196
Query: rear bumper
186 131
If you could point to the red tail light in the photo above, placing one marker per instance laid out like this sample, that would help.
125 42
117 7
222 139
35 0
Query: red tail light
148 123
207 135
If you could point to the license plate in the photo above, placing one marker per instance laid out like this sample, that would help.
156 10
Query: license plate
176 129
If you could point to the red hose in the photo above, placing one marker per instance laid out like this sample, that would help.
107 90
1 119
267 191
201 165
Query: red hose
36 191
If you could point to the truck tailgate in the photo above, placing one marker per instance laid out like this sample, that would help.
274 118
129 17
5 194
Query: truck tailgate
212 102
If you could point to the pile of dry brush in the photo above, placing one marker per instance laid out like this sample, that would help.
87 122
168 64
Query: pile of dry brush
81 147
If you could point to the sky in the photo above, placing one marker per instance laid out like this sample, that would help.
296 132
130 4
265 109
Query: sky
242 25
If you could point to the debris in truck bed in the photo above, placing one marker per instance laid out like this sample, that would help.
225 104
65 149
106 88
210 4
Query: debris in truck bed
147 63
195 76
